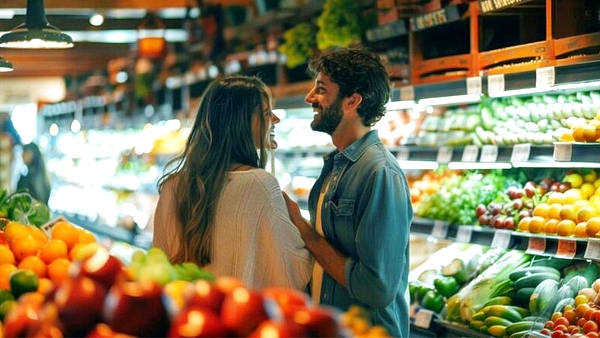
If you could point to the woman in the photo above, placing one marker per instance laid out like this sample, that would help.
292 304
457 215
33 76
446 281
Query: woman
218 207
35 181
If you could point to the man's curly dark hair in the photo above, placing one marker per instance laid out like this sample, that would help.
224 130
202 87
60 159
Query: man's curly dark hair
356 70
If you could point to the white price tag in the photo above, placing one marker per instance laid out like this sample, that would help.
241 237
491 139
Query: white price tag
520 152
444 155
423 318
496 83
544 77
403 154
48 226
464 234
489 153
563 151
566 248
501 239
474 85
536 246
592 250
407 93
470 154
440 229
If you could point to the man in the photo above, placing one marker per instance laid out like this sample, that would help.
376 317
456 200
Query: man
360 205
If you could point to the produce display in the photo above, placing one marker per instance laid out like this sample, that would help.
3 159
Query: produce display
513 295
539 119
65 284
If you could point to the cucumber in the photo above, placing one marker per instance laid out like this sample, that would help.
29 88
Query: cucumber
523 295
523 326
503 311
533 280
520 272
557 263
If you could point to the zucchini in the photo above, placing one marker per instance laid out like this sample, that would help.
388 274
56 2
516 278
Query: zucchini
524 271
524 325
533 280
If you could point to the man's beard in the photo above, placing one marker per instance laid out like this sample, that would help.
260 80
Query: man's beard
329 118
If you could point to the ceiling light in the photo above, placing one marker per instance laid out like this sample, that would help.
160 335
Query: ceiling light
5 66
97 20
36 32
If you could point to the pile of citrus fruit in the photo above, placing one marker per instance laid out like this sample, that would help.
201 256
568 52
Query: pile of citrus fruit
31 260
573 212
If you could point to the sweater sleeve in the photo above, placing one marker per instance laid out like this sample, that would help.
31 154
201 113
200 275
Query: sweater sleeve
166 224
281 256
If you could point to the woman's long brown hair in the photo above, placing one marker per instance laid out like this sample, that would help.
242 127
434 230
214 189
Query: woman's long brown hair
221 135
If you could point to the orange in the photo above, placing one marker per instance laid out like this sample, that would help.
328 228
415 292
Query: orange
573 195
566 228
35 264
524 224
551 226
568 212
578 133
58 270
556 197
38 234
81 251
554 211
586 212
5 271
537 223
45 286
581 230
25 246
55 248
14 230
6 255
567 136
85 236
589 133
593 226
587 189
66 232
541 210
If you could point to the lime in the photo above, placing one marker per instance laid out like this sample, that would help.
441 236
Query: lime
5 295
6 306
22 281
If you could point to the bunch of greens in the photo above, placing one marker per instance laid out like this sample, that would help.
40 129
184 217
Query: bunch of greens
22 207
459 195
339 24
299 45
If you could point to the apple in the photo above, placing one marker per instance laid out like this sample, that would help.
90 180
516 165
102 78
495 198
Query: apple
206 294
19 319
287 300
197 321
279 328
101 266
101 330
318 321
136 308
79 303
243 310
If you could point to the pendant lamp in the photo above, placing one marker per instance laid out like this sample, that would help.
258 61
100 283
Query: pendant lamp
36 32
5 66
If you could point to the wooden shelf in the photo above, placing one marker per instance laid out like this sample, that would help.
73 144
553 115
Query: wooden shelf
516 58
447 68
586 45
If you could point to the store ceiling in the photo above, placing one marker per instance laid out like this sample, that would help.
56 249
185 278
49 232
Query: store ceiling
94 46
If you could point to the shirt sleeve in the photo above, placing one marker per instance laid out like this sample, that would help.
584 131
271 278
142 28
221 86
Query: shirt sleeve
382 238
166 224
284 259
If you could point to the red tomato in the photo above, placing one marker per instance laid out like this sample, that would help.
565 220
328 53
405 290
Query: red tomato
562 321
590 326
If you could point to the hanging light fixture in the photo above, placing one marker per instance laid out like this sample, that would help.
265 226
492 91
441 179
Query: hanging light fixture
151 41
5 66
36 32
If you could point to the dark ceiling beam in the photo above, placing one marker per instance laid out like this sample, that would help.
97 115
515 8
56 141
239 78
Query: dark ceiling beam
122 4
81 23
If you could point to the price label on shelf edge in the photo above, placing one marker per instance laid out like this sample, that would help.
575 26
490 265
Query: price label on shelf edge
544 77
440 229
444 155
474 85
592 249
407 93
464 234
521 152
423 318
470 153
566 248
496 83
489 153
501 239
562 151
536 246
